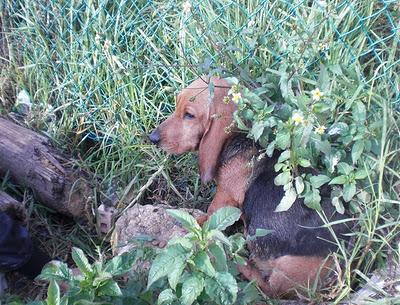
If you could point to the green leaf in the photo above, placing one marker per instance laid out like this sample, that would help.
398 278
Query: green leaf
222 288
338 205
287 200
357 150
339 180
217 251
175 274
359 112
323 79
166 261
53 293
121 264
166 297
187 220
81 261
312 199
284 156
299 183
56 270
344 168
270 149
110 288
349 190
282 139
361 174
283 178
191 289
203 263
338 128
304 163
223 218
259 233
319 180
219 236
257 130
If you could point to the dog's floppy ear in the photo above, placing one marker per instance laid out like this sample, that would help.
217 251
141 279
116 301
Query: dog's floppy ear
215 136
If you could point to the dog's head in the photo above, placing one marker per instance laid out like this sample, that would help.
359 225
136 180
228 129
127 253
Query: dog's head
198 123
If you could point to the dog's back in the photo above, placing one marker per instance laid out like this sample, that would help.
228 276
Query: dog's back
297 231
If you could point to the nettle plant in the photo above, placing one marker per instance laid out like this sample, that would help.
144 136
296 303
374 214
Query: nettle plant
200 267
328 125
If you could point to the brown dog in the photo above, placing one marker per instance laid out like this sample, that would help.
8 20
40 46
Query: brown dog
291 256
202 124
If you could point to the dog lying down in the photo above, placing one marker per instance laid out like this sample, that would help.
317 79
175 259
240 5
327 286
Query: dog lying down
296 253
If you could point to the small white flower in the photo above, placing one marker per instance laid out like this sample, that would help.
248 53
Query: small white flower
186 7
297 118
236 97
251 24
320 130
317 94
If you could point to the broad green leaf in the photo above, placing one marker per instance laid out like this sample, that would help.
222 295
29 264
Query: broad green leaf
304 163
361 174
110 288
283 178
218 235
191 289
53 293
166 297
223 218
56 270
284 156
287 200
344 168
203 263
323 79
187 220
121 264
257 130
299 184
175 274
270 149
337 203
166 261
357 150
222 288
349 190
340 128
317 181
282 139
218 252
312 199
81 261
359 112
339 180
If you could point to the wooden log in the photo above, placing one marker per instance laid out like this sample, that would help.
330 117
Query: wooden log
11 206
31 161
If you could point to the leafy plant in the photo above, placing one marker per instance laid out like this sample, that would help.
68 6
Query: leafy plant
200 266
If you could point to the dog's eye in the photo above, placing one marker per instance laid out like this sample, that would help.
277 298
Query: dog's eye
188 116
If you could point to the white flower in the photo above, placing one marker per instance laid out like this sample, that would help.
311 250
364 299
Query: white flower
251 24
186 7
236 97
317 94
297 118
320 130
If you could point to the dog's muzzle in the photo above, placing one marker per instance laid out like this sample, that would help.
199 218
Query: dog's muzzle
155 136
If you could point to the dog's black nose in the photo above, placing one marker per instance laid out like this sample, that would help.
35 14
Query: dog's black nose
155 136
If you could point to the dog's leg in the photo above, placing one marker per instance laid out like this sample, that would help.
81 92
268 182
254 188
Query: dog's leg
221 199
